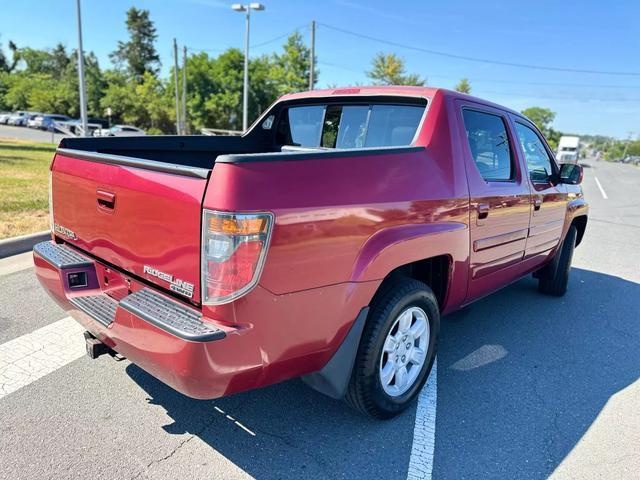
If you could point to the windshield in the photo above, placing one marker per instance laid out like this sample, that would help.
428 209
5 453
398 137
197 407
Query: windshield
349 126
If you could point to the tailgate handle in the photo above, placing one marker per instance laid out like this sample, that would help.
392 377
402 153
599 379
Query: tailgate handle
106 200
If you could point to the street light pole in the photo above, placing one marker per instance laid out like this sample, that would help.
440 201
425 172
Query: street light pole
245 88
83 98
238 7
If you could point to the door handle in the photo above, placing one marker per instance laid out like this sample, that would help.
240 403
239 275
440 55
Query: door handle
106 200
483 211
537 203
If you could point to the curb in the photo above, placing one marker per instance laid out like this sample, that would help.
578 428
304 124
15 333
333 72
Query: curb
23 243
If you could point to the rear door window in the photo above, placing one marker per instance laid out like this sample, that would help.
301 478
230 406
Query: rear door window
350 126
489 145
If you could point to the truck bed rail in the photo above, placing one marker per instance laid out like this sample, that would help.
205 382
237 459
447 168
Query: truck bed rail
135 162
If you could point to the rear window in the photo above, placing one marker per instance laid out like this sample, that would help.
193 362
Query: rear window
349 126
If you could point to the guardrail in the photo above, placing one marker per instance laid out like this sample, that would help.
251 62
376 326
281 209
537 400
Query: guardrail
75 129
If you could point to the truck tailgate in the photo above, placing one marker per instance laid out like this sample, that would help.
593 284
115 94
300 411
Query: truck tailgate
146 222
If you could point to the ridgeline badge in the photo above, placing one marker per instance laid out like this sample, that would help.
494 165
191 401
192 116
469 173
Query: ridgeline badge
64 231
175 284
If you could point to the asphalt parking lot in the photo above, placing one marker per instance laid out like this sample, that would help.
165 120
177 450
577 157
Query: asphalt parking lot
528 386
29 134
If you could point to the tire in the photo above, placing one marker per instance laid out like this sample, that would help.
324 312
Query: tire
366 392
553 279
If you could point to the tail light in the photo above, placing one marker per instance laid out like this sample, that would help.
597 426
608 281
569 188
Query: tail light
234 247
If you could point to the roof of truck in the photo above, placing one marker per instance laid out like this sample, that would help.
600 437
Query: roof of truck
400 90
403 90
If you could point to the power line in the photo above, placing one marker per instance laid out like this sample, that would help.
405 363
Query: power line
556 97
280 37
492 80
476 59
518 94
206 50
343 67
257 45
542 84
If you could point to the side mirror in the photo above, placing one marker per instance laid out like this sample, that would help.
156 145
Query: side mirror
571 173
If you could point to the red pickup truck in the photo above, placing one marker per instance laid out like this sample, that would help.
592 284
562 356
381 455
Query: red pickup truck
324 243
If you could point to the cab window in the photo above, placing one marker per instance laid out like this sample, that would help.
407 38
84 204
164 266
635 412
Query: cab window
349 126
489 145
538 160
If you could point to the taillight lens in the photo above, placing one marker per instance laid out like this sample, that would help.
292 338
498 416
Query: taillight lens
234 247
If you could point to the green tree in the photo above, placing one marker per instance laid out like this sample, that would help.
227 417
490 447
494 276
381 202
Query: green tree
7 65
463 86
48 82
214 94
118 95
290 70
543 118
144 104
52 62
138 55
389 69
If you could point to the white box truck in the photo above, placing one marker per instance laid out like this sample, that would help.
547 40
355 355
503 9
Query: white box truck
568 149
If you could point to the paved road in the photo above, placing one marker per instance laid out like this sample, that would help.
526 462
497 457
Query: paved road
29 134
528 386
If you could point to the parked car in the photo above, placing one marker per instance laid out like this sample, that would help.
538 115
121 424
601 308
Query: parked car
4 117
18 118
47 121
122 131
325 243
31 120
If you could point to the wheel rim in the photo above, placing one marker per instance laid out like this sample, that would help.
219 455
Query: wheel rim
404 351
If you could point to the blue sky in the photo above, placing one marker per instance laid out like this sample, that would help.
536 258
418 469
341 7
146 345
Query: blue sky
583 35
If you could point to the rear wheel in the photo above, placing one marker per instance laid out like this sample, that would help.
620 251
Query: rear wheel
396 351
553 279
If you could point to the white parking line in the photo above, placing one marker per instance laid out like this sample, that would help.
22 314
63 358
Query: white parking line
16 263
424 430
32 356
604 195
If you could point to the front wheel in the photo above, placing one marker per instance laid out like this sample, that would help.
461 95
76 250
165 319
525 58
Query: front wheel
553 279
396 351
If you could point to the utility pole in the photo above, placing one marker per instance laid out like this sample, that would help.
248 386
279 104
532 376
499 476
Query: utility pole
83 97
184 90
626 145
313 55
175 77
